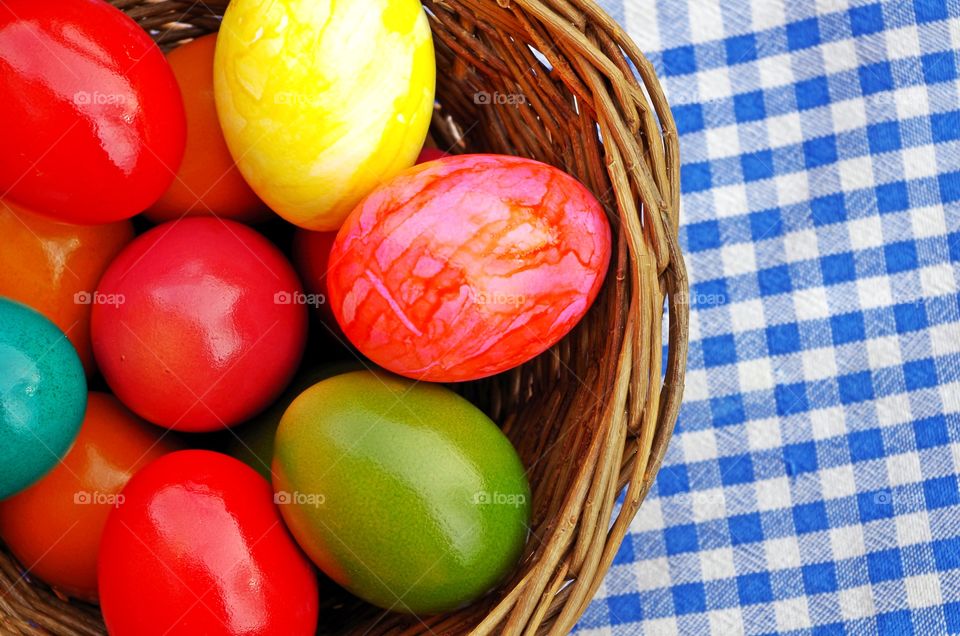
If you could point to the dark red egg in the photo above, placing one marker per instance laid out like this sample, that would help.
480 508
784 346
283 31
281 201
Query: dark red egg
92 121
197 546
203 325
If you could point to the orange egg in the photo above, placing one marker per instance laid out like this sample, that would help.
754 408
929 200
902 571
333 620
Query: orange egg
208 181
55 267
54 527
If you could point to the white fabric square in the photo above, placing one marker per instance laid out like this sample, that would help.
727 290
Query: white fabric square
838 482
819 364
912 102
649 517
708 504
792 614
865 233
782 553
793 188
709 23
662 626
728 622
695 387
840 55
811 303
763 434
893 410
801 246
723 142
827 423
784 130
856 174
923 590
654 574
847 542
714 84
747 315
874 292
919 162
904 469
938 280
913 528
773 494
849 115
739 258
699 446
730 201
717 564
857 602
902 43
883 352
775 70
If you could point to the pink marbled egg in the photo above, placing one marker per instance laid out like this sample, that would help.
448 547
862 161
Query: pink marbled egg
467 266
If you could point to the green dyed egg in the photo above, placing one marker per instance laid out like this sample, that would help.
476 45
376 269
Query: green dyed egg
43 396
404 493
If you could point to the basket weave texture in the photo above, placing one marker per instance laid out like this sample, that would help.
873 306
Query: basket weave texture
593 415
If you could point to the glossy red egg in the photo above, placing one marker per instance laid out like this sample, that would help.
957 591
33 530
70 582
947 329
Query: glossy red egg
198 547
91 117
207 326
467 266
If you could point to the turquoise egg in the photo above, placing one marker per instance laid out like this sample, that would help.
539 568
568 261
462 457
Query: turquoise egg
43 396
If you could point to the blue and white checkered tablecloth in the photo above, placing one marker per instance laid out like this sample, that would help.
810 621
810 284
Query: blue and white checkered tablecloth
812 485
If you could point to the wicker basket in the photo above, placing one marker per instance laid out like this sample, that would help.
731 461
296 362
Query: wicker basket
593 415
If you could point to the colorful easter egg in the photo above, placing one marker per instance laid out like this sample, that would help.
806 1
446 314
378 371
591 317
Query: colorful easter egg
467 266
404 493
91 117
43 395
211 328
320 101
198 547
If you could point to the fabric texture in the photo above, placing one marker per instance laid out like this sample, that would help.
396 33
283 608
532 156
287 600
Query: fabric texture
812 483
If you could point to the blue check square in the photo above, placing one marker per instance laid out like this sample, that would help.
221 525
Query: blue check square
803 34
749 106
819 578
740 49
866 20
893 197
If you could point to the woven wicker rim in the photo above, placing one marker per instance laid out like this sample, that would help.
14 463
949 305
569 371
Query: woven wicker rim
593 415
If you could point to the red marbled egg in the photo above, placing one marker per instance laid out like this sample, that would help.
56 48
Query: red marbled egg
467 266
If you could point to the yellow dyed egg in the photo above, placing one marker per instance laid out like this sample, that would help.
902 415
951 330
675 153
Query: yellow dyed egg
322 100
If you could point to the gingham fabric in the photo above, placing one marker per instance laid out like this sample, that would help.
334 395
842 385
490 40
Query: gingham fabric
812 484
